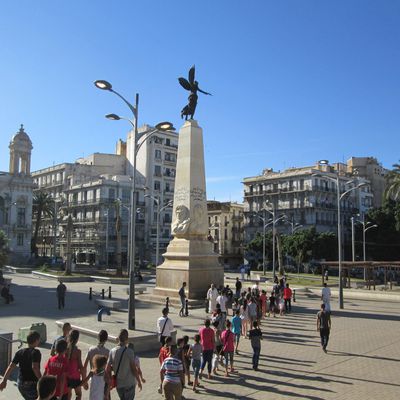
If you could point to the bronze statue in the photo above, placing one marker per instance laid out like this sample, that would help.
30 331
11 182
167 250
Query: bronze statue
193 87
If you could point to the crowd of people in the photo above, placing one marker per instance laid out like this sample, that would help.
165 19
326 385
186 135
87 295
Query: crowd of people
65 373
233 315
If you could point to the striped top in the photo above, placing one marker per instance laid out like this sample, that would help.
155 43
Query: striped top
172 367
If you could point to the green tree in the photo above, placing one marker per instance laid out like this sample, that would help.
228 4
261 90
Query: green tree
392 191
3 248
300 244
325 246
43 206
383 242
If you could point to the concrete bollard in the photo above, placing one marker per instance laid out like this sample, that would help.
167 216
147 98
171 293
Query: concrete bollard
294 295
186 307
102 294
167 304
101 312
90 294
109 292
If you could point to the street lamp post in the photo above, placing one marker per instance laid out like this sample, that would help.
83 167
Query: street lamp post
129 245
339 197
365 229
162 126
159 211
353 249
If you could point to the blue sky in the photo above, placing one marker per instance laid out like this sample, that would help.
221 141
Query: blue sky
292 81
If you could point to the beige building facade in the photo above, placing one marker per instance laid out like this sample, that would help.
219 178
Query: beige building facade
225 224
307 196
16 188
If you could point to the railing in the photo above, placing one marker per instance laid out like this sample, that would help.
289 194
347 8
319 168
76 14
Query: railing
12 341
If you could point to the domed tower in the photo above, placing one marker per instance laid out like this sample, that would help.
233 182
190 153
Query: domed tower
20 153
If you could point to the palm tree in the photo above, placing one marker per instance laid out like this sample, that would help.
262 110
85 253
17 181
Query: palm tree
392 191
43 206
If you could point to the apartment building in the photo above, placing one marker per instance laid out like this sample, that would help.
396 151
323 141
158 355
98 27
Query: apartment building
156 162
89 188
306 195
225 221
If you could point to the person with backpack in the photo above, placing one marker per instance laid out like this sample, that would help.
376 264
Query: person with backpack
28 361
121 362
164 326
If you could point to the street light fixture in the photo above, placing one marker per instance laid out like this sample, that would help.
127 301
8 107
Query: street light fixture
163 126
339 196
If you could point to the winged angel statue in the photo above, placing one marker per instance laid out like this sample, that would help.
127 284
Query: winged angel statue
192 86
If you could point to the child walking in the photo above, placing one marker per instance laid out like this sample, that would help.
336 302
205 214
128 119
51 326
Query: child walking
196 351
99 384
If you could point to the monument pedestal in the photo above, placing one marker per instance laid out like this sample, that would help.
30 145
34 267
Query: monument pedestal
189 257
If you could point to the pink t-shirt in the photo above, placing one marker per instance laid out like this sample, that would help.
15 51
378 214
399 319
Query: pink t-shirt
207 338
227 338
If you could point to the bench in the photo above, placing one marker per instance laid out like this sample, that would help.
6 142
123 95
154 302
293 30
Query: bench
111 304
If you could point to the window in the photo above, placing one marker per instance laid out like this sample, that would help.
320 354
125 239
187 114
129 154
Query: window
111 194
20 239
157 185
226 234
157 170
167 187
168 142
21 217
170 157
157 154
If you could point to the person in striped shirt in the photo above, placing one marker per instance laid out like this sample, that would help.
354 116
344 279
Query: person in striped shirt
172 377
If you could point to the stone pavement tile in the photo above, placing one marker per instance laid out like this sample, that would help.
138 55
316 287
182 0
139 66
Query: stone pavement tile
362 362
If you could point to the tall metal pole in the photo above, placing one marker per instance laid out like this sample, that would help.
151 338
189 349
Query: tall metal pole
273 241
55 230
353 250
108 211
158 231
131 305
339 227
264 244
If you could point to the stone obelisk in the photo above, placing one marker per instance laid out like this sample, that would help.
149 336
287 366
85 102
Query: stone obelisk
189 257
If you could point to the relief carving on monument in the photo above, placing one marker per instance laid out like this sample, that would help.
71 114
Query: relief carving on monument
181 222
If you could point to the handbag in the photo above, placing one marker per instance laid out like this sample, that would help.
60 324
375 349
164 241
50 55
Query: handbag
114 377
161 334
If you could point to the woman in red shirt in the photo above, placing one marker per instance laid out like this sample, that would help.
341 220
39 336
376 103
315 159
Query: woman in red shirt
208 344
228 341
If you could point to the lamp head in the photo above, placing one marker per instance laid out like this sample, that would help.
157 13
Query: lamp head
103 85
113 117
165 126
323 162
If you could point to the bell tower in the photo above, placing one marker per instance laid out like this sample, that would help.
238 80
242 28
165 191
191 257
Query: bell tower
20 153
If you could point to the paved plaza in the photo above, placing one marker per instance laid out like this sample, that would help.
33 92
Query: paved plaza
363 360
